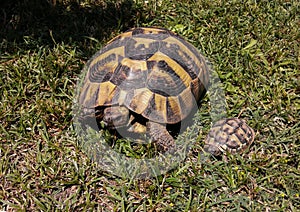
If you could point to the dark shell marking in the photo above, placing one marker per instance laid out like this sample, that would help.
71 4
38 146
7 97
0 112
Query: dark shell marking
231 134
151 71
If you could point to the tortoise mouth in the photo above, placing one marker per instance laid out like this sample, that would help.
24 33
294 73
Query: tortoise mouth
212 149
113 123
107 124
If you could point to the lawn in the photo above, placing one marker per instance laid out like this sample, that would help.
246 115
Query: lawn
253 47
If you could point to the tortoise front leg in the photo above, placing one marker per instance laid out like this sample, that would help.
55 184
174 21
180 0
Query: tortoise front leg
160 135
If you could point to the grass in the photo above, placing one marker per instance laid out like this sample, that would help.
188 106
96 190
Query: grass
254 47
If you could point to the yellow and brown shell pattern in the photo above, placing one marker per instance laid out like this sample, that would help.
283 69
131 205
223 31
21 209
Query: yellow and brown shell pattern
151 71
231 134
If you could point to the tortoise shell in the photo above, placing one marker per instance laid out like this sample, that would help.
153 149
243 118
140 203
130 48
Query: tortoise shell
230 134
151 71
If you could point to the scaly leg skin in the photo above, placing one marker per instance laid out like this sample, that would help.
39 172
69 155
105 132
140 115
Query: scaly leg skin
160 135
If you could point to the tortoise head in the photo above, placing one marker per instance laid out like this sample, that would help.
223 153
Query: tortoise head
116 116
213 149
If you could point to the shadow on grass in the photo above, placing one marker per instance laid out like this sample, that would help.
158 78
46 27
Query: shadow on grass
72 22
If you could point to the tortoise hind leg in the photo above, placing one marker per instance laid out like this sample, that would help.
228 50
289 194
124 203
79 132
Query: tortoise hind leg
160 135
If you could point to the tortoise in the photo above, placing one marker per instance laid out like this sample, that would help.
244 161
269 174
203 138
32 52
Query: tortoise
230 134
146 72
